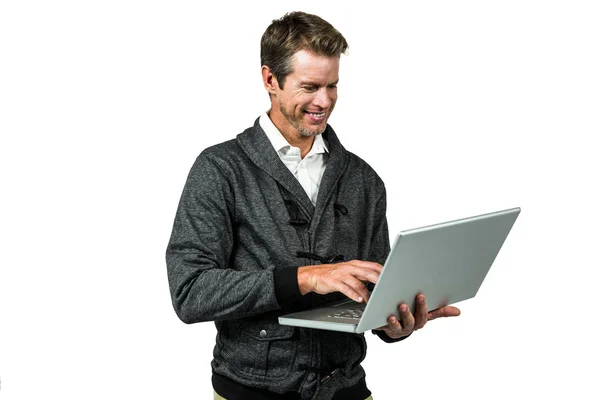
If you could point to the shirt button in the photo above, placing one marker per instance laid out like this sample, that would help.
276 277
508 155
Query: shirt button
263 334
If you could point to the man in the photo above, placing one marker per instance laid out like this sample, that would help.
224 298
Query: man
280 219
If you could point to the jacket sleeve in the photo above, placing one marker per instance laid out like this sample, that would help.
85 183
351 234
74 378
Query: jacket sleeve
202 284
380 248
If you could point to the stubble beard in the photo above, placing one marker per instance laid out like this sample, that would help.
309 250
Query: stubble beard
299 126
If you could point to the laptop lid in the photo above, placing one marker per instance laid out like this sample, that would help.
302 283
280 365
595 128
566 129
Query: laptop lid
446 262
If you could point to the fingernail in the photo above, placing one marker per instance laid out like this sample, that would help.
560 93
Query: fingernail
403 308
359 299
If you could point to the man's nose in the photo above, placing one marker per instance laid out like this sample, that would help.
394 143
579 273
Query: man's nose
323 98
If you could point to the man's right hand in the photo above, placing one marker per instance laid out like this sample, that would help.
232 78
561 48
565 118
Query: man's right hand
346 277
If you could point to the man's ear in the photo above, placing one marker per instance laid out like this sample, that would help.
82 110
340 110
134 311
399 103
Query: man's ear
269 80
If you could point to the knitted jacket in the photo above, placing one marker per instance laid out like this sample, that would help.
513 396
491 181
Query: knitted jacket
243 227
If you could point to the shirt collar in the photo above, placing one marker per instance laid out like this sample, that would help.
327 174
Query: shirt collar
280 144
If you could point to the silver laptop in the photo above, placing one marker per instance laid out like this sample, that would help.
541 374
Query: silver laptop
446 262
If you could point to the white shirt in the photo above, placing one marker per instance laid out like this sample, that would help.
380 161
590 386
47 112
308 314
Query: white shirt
309 170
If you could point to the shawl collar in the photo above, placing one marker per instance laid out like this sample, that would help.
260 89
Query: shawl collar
258 148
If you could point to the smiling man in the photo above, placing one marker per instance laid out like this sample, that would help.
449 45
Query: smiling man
280 219
301 107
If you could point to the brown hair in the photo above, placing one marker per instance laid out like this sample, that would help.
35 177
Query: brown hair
297 31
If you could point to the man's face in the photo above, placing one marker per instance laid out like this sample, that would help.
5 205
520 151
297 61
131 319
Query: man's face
309 95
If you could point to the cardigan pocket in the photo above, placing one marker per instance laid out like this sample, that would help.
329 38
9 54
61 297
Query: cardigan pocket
262 349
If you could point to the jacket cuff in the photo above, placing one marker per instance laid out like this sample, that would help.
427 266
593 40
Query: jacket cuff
286 286
386 338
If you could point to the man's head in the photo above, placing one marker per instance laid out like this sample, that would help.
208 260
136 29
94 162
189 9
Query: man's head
300 63
297 31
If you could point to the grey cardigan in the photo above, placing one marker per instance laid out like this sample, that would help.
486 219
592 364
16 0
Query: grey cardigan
243 227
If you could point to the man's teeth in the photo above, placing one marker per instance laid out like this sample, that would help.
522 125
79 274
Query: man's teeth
317 115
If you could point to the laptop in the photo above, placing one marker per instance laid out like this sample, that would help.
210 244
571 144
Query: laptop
447 262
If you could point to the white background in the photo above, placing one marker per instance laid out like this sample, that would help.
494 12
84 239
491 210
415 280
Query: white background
463 107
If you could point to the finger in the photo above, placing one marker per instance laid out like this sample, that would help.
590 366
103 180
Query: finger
408 320
394 324
357 287
349 291
365 274
373 266
354 269
339 278
421 316
443 312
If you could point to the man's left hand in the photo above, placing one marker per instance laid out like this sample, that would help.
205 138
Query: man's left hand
409 323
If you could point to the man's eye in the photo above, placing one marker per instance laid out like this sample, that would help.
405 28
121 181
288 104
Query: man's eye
310 88
332 86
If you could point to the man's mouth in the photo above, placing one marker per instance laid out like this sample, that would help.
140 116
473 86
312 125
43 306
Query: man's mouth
316 116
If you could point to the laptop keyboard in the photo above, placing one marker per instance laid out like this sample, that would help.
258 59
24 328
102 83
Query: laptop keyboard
348 314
